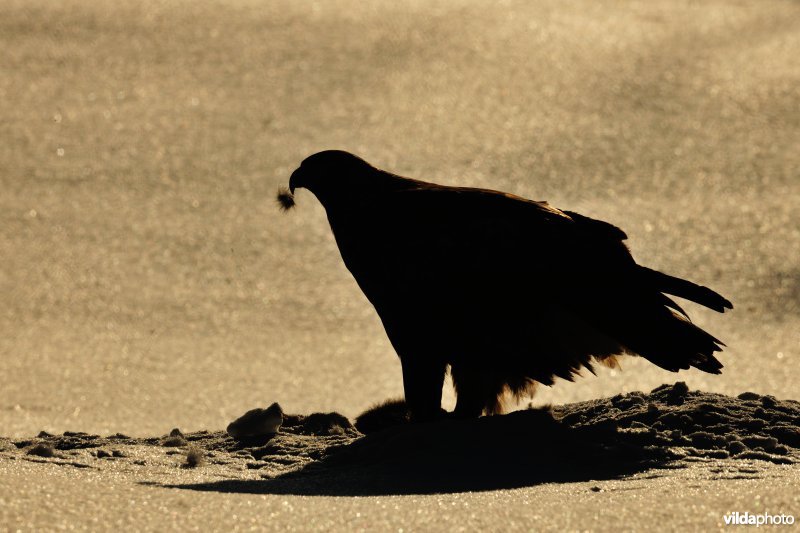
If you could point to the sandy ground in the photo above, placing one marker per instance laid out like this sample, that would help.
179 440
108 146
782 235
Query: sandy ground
695 499
672 455
149 281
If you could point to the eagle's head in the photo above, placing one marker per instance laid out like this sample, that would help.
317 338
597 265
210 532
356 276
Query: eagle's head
326 172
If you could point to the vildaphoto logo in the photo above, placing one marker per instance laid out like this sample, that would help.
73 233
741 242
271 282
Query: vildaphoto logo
765 519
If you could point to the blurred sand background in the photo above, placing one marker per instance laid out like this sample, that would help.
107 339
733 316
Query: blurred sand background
149 279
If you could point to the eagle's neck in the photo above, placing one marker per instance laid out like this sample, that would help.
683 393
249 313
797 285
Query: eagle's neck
356 235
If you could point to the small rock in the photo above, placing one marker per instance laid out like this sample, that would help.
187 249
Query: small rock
101 454
676 394
736 447
174 441
42 450
769 401
749 396
680 388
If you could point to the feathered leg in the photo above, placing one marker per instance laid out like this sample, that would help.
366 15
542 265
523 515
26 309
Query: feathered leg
423 378
475 391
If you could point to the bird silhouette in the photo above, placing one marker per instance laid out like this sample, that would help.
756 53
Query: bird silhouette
502 291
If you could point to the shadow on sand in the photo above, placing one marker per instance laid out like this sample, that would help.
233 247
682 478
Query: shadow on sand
594 440
516 450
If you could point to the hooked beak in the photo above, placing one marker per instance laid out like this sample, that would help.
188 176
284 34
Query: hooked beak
294 181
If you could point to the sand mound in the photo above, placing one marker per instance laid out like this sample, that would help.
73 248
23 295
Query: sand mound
698 424
668 428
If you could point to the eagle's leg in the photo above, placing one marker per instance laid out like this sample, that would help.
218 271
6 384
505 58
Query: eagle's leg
468 406
423 378
474 392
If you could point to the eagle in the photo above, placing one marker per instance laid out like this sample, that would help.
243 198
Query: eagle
500 291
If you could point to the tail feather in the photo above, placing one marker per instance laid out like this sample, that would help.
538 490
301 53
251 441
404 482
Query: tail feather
669 302
684 289
672 342
649 323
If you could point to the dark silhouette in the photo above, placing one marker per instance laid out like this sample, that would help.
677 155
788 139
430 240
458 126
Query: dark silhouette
504 291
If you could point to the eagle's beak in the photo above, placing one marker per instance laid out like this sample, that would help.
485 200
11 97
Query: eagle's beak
294 181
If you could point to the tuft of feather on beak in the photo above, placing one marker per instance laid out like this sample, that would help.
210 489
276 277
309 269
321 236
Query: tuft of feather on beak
285 199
